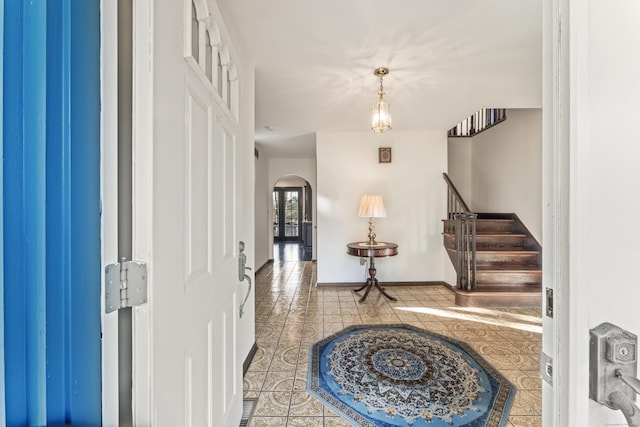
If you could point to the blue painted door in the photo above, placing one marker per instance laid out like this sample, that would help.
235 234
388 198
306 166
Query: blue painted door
50 277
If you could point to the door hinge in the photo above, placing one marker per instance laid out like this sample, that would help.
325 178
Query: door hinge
549 302
126 285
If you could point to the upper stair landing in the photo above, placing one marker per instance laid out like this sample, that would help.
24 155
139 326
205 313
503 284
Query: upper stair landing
479 121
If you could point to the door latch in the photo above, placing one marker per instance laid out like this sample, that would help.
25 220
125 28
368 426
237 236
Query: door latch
125 285
546 368
549 302
613 369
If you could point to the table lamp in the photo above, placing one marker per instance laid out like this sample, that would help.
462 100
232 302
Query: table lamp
371 206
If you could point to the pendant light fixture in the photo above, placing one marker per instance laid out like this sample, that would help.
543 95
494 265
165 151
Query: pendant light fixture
380 113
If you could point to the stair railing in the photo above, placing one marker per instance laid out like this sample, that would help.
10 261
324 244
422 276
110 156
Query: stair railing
462 223
479 121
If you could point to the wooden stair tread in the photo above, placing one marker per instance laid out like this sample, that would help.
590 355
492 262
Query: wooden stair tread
518 238
485 220
502 249
514 289
508 267
498 234
502 287
492 233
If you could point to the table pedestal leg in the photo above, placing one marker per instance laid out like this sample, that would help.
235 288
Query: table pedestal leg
372 281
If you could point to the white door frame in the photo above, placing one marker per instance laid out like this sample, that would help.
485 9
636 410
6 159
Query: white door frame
109 197
565 337
142 221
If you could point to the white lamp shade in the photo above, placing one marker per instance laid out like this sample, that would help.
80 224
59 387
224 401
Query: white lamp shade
371 206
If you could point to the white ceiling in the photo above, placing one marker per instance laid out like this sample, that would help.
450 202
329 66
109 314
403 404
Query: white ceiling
448 58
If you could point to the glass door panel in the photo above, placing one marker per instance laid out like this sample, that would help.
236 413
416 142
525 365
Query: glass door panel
292 214
287 214
276 214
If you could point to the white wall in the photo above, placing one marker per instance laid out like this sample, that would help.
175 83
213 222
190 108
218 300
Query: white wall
414 195
290 181
504 168
262 209
459 166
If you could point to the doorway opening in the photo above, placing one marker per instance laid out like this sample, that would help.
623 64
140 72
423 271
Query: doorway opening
287 214
292 219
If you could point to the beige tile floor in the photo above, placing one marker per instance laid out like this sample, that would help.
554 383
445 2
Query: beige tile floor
291 314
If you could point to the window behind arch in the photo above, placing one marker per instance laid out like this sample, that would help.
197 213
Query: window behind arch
195 33
218 85
228 89
208 57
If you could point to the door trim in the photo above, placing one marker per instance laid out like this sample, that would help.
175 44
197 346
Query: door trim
142 219
109 196
565 60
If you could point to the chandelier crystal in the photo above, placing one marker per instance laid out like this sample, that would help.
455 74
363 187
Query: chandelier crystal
380 113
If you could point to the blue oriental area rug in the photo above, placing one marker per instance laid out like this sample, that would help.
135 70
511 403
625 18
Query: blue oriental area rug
399 375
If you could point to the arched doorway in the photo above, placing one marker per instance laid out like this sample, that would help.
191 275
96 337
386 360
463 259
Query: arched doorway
292 219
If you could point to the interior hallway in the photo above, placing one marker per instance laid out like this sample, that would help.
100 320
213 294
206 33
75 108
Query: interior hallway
291 314
290 251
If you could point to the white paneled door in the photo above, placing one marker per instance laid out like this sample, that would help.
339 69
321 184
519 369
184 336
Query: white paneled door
186 174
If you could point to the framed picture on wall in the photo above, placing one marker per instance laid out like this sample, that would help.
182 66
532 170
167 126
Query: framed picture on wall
384 155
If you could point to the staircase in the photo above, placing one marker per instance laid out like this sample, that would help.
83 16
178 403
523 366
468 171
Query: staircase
497 260
508 269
